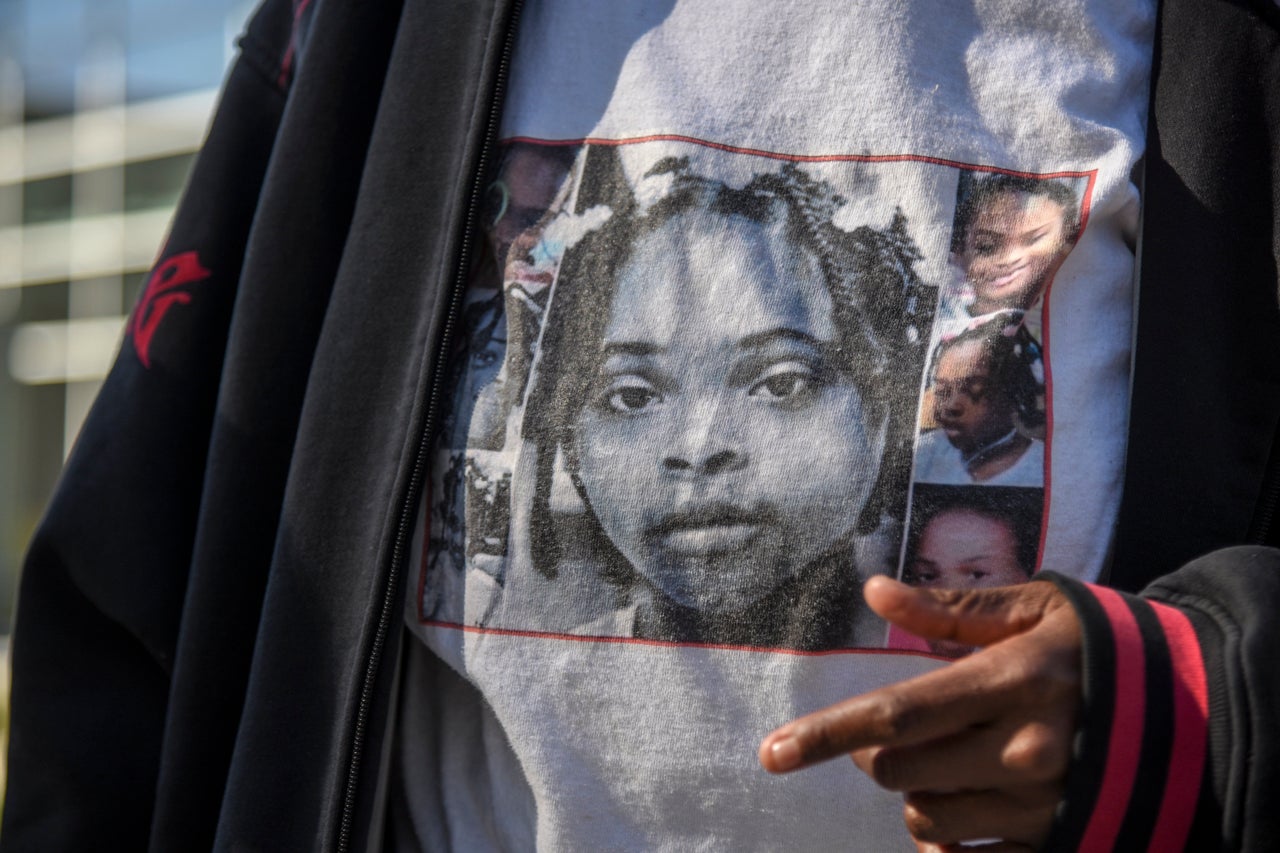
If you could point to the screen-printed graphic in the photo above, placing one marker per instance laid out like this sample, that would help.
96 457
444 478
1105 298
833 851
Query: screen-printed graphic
969 538
691 386
984 415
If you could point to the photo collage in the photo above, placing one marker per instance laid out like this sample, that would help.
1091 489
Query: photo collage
699 395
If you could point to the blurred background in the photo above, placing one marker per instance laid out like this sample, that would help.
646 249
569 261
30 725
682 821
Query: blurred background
103 104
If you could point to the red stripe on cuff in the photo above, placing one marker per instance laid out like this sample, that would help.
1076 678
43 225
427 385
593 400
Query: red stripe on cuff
1190 731
1125 748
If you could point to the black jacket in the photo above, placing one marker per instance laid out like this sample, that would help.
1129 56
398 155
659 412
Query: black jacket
209 615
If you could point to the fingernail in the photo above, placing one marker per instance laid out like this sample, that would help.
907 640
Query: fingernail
786 753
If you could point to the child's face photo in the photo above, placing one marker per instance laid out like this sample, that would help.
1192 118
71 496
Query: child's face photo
970 410
530 179
963 549
721 445
1013 246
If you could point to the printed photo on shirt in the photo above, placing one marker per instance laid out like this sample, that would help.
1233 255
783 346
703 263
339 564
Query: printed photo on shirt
689 387
983 448
484 378
1010 237
969 537
707 424
984 408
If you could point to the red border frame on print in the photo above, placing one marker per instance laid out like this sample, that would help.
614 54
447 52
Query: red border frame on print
1085 209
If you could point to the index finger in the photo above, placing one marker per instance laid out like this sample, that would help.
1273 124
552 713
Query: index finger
933 705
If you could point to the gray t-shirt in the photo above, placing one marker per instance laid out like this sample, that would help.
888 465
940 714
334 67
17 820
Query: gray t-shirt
751 272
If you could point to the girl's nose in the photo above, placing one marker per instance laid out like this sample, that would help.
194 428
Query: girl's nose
946 400
1010 255
710 465
705 442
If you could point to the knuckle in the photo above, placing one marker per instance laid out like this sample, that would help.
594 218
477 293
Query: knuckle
981 601
1022 672
1036 753
1040 684
818 739
921 824
890 769
894 717
823 736
952 598
863 758
966 604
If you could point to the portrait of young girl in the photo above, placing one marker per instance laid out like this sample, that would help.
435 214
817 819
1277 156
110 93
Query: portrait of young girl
726 387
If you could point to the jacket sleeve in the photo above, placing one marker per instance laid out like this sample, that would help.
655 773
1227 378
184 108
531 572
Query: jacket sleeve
1177 746
101 594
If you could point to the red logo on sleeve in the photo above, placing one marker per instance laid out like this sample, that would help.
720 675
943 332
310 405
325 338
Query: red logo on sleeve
161 295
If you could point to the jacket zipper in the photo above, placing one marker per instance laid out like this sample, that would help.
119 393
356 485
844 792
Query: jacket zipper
407 509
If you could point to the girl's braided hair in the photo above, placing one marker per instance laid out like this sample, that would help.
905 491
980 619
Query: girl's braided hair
985 190
1014 362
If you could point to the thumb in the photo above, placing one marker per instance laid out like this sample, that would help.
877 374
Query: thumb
973 617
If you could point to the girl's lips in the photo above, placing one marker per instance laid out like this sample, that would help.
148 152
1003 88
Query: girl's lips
949 427
1007 280
708 529
710 539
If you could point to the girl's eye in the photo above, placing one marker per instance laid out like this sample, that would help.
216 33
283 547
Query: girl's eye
976 574
1033 239
784 381
918 576
629 395
985 247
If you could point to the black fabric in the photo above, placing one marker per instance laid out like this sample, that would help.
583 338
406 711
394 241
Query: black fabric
1207 831
435 124
1231 597
363 415
260 401
96 633
254 675
1089 765
1093 733
1157 732
1206 392
197 633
